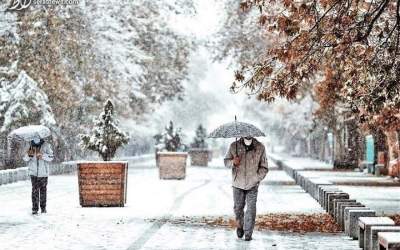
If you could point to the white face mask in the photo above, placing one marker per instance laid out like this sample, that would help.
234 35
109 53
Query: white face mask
36 140
247 142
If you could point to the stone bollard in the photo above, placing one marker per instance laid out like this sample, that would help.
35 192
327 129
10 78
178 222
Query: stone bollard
365 224
307 185
326 195
338 202
332 197
378 229
322 190
349 207
303 182
294 175
340 205
298 179
345 209
315 184
389 240
351 217
334 205
278 163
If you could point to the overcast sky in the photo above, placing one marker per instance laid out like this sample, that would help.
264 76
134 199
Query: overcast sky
209 81
218 77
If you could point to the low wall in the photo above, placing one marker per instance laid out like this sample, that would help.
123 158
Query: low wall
21 174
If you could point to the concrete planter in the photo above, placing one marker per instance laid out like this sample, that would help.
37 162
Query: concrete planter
102 183
172 165
199 157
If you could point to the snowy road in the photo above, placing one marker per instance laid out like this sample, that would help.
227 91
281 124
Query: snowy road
205 192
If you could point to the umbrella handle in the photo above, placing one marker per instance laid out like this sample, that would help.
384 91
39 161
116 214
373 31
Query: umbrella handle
236 138
236 147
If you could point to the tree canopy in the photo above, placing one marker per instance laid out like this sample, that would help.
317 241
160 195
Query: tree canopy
345 51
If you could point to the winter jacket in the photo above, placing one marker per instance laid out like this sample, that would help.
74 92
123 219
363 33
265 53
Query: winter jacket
40 167
253 164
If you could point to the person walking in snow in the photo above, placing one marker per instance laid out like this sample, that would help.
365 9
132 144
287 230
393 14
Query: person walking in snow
38 157
247 158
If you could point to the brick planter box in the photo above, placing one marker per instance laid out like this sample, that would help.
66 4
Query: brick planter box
102 184
199 157
172 165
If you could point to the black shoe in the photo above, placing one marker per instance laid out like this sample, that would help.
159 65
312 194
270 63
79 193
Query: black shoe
44 211
34 212
247 238
239 232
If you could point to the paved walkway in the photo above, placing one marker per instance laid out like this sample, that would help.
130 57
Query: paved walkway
205 192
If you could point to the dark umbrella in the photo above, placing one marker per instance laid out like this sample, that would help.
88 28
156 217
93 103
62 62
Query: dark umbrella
236 129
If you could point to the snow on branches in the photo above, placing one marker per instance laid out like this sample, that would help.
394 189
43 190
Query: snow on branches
105 137
22 103
170 140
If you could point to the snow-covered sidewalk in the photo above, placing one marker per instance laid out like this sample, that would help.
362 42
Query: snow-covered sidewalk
301 163
205 192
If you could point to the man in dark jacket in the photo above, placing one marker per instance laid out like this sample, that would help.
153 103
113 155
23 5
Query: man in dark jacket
247 158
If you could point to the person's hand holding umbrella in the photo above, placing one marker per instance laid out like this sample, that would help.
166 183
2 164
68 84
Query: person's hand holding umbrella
39 155
236 161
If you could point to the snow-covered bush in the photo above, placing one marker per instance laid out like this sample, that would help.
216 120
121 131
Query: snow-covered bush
106 137
170 140
199 140
22 102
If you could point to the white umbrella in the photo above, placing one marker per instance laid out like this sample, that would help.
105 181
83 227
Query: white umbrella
28 133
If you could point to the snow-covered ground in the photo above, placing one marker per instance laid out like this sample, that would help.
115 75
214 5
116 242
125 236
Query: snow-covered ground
204 192
299 163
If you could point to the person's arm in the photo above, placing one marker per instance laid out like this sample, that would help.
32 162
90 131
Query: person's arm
48 154
28 155
262 166
228 160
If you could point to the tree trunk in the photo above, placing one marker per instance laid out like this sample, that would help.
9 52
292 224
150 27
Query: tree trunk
380 143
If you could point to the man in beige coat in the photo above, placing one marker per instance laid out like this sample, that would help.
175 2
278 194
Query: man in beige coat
247 158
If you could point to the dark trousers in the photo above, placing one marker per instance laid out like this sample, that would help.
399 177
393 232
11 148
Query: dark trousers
39 193
242 198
